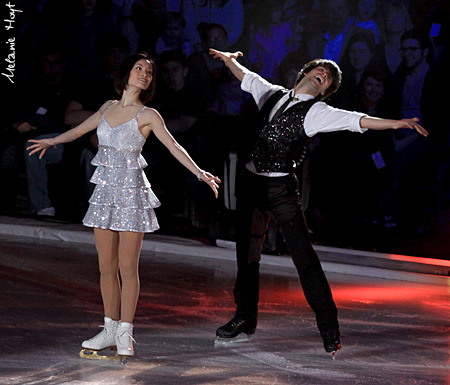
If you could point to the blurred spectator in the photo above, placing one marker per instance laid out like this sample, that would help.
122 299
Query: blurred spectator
365 14
175 100
376 148
179 106
296 14
396 22
92 20
218 88
271 39
330 40
372 93
220 93
39 113
122 13
344 162
410 98
113 49
149 17
200 13
360 55
174 36
288 69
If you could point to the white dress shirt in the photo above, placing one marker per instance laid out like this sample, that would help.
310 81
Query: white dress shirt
320 117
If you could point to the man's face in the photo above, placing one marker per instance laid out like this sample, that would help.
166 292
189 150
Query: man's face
217 39
174 75
412 53
318 80
53 67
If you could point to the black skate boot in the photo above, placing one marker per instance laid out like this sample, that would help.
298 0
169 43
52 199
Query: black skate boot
331 340
229 332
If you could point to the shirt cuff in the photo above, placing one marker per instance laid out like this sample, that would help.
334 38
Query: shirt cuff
354 122
246 83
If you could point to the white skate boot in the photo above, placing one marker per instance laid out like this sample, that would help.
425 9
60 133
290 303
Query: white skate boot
124 340
103 340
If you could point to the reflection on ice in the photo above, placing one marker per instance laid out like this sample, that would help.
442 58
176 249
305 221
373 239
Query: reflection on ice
392 332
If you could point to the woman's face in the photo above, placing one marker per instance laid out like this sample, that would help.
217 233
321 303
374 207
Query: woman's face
141 75
395 21
373 89
359 55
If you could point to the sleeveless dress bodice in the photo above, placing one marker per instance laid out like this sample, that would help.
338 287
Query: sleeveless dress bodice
122 199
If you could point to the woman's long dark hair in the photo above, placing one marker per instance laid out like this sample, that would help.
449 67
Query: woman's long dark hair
121 80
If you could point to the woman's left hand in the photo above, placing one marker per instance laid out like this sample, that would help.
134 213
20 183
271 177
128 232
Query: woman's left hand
211 180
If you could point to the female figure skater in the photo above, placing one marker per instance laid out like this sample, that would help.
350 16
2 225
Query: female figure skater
121 206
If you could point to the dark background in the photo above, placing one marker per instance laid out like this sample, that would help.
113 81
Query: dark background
345 194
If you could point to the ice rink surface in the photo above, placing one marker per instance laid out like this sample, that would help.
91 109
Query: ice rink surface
393 332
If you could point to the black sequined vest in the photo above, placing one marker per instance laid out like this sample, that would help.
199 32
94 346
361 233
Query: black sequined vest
280 140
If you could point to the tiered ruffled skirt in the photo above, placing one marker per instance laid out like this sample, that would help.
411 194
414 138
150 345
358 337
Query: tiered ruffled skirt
122 199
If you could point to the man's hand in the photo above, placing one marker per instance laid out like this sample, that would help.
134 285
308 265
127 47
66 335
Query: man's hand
234 66
225 56
374 123
24 127
412 124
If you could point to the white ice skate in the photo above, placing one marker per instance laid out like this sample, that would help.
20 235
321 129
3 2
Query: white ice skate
124 341
106 339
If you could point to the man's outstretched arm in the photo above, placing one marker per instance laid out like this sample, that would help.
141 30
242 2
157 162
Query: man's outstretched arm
385 124
229 58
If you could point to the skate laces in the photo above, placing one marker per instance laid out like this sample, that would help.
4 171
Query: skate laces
104 333
125 334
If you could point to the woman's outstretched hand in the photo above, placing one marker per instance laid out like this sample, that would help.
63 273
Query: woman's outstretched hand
40 145
211 180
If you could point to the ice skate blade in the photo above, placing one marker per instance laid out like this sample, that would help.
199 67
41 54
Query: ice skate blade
219 341
93 355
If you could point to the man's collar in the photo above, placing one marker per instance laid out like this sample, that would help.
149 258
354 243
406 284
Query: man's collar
302 97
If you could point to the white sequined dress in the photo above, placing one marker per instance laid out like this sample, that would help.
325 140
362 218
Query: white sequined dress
122 199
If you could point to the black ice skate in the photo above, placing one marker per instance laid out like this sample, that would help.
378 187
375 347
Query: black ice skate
331 341
231 332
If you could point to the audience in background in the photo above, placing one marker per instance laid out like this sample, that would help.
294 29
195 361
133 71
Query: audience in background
330 39
387 71
199 13
113 49
173 36
178 104
359 56
411 95
396 22
365 14
38 113
271 39
149 18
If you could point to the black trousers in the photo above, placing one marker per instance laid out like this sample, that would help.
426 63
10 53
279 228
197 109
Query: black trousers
259 200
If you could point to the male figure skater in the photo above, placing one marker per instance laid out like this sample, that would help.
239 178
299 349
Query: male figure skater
267 187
